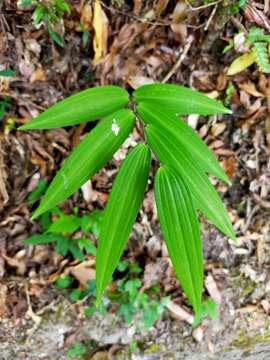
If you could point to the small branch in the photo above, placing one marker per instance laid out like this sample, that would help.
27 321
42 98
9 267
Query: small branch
180 59
202 6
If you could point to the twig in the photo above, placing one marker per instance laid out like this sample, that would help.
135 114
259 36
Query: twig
3 178
202 6
210 18
180 59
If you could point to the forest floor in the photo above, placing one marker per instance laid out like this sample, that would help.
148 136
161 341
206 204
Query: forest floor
137 42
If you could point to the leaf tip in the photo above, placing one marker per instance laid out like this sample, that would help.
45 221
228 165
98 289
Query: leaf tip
36 213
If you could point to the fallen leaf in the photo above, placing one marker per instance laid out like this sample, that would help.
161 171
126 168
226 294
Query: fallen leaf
218 129
212 288
179 313
100 25
83 272
87 17
250 88
241 63
38 75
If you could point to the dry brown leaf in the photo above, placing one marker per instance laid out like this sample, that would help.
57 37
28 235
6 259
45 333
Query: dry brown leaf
15 263
218 129
212 288
101 355
136 81
38 75
100 25
250 88
255 15
178 16
229 166
160 7
137 7
179 313
87 17
3 298
83 272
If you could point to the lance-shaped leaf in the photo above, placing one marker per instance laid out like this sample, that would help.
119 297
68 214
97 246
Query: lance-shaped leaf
120 213
184 137
204 194
180 228
87 105
178 99
88 157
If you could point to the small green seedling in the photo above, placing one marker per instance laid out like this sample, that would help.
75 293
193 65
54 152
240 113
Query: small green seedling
4 106
77 349
60 231
207 308
50 14
181 183
256 45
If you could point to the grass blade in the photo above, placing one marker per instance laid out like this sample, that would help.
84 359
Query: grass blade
87 105
95 150
120 213
180 228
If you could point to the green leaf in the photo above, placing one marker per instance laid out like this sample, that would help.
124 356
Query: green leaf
204 194
7 73
92 222
184 137
62 246
256 34
56 37
87 105
178 99
207 308
87 245
120 213
64 281
37 192
87 158
180 228
260 52
44 239
241 63
25 3
65 224
77 349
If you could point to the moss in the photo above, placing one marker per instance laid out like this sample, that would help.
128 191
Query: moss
153 348
245 342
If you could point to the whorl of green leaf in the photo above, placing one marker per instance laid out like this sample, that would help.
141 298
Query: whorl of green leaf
178 100
260 52
180 228
95 150
87 105
184 137
120 213
204 194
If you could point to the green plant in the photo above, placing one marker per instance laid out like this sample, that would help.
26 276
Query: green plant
207 308
58 229
147 306
181 185
256 51
50 13
4 106
77 349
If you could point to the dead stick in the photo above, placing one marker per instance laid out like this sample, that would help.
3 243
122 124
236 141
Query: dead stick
180 59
